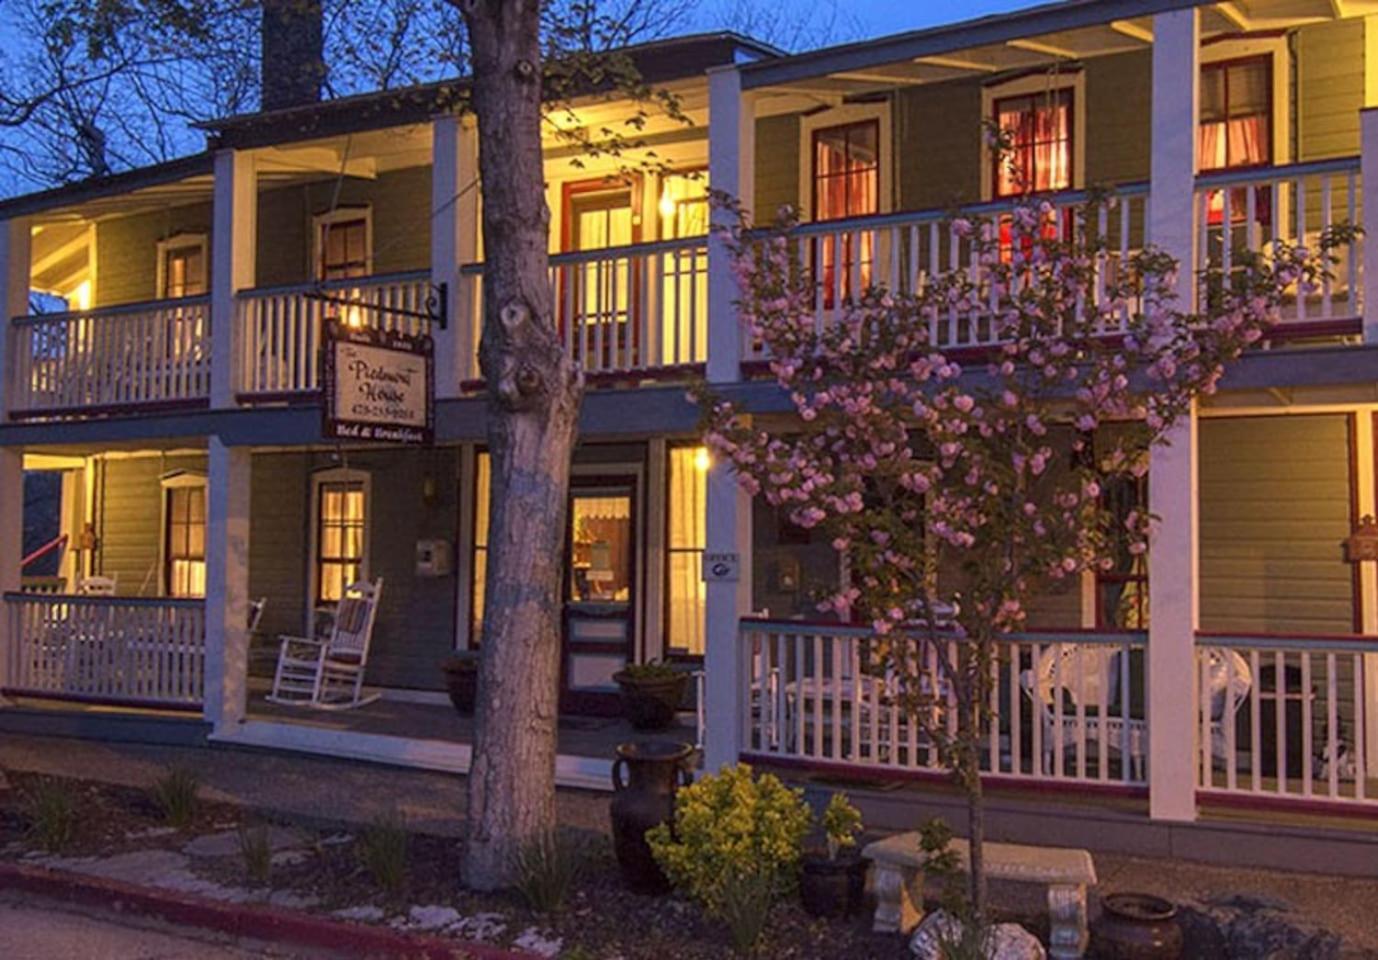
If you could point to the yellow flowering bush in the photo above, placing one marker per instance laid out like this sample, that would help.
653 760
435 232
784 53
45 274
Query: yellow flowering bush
729 826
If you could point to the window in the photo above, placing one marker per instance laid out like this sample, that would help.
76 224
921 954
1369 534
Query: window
483 479
1122 591
344 244
1236 113
341 535
846 183
683 204
685 541
182 266
1236 129
1040 131
184 536
683 212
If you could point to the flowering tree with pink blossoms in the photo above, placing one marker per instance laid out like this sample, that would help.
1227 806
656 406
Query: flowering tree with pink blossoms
960 486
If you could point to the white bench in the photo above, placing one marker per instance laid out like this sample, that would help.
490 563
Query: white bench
899 877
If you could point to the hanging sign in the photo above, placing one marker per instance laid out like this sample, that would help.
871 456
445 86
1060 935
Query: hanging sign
378 385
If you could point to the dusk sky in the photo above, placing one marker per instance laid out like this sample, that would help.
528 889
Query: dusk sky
880 17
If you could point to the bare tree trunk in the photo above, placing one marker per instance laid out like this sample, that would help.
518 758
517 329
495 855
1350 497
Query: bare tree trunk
533 407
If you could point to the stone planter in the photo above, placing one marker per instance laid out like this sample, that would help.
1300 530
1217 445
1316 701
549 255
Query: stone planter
461 682
651 702
832 888
1137 926
645 777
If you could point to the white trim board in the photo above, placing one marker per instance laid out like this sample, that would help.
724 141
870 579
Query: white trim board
584 773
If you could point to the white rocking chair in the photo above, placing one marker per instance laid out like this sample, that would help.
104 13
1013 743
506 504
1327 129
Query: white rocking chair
329 674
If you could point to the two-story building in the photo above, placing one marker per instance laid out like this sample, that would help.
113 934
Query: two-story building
178 398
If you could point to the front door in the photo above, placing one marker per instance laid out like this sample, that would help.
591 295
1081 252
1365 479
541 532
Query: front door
599 586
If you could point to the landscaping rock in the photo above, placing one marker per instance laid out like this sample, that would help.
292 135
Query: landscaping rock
486 927
432 917
1008 941
225 843
1237 927
363 914
538 943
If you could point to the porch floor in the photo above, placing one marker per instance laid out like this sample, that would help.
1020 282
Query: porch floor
579 736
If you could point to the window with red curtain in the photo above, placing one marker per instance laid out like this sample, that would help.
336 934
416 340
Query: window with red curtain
846 183
1236 127
1039 126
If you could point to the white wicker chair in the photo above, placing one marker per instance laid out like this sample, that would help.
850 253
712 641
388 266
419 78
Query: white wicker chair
329 674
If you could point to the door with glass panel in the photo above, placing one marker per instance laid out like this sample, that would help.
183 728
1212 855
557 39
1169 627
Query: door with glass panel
599 293
600 587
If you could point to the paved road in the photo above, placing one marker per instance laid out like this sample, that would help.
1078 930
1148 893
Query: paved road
34 930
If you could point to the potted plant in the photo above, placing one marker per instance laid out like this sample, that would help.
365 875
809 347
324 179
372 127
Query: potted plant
831 883
461 680
651 693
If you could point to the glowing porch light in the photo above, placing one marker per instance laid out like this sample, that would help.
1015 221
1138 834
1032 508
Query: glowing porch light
702 460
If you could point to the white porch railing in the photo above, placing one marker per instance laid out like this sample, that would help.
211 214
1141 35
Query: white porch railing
1246 210
620 310
109 649
901 251
281 328
1286 717
109 359
1067 707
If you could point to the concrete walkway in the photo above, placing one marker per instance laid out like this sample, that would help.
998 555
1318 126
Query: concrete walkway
37 930
348 792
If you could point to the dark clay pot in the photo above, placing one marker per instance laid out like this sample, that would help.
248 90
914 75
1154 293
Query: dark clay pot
645 777
651 702
461 682
1137 926
832 888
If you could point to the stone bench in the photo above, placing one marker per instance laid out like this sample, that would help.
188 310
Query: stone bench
899 878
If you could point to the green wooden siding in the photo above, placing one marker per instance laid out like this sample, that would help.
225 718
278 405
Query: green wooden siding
1274 509
129 517
777 165
401 205
1329 88
416 626
127 250
938 133
1119 94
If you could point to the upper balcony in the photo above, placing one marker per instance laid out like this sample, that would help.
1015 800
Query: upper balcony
874 144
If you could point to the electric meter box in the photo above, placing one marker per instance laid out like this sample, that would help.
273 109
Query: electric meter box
433 558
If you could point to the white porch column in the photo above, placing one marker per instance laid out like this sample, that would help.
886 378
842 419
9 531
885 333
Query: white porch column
234 250
454 236
227 585
1172 480
1173 616
731 132
1368 218
731 166
15 255
11 544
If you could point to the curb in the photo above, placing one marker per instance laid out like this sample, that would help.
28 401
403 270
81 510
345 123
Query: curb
249 921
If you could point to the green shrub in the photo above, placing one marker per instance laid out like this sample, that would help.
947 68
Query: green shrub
731 829
52 815
383 852
547 869
651 670
747 897
256 847
177 796
841 824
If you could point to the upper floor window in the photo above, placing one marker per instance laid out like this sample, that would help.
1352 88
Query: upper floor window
344 244
846 170
1041 145
683 204
1236 113
182 266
